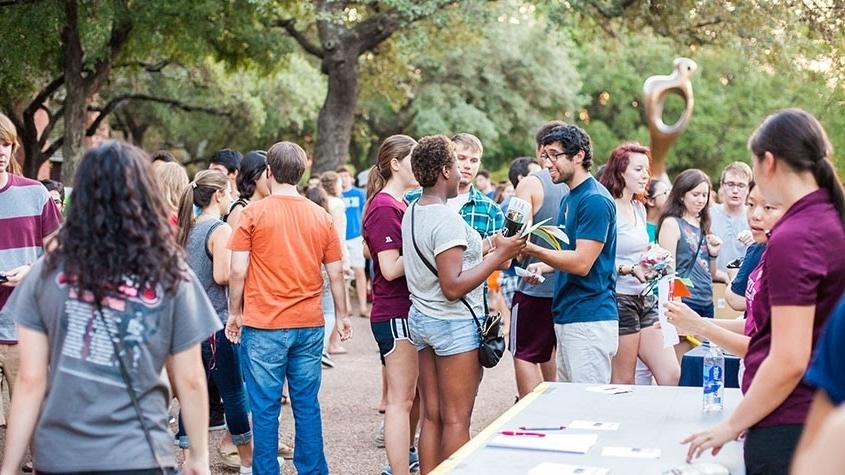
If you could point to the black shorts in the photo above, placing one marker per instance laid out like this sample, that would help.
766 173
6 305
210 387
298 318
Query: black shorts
388 333
532 332
769 450
636 312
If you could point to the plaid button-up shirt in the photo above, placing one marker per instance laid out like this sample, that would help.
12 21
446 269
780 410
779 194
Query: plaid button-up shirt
480 212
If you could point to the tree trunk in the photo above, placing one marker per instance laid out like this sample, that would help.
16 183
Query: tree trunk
334 124
76 97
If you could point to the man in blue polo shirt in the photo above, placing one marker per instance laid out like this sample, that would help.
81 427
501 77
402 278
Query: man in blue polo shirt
355 199
584 303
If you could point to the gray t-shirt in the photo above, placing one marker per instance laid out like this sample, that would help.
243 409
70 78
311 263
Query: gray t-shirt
87 421
728 227
439 228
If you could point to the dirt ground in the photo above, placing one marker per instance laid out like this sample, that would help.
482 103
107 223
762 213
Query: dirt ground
350 396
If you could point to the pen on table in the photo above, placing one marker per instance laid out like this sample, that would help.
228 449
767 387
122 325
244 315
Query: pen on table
516 433
543 428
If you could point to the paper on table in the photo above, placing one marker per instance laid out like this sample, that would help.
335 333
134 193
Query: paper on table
670 333
572 443
593 425
631 452
520 272
547 468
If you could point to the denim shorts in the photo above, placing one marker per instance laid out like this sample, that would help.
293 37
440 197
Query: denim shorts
445 337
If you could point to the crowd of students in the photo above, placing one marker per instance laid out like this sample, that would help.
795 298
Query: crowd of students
236 284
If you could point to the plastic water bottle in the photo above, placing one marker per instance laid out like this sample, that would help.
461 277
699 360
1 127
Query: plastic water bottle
714 379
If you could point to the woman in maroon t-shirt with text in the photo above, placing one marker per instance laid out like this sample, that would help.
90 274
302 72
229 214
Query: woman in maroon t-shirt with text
803 277
389 179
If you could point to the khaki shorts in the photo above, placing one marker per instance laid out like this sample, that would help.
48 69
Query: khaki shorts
585 351
10 358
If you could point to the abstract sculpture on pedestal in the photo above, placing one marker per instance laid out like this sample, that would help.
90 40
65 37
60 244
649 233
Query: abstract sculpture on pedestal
655 90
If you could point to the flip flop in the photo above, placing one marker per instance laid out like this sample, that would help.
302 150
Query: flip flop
339 351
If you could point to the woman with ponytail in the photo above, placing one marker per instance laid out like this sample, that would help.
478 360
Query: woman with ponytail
205 239
389 179
252 185
803 277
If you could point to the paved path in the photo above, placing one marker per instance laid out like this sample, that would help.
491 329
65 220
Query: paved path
350 397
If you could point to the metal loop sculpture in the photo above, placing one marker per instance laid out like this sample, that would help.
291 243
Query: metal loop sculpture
655 89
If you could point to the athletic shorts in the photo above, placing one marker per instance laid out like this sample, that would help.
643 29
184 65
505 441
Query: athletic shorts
355 247
388 333
532 332
636 312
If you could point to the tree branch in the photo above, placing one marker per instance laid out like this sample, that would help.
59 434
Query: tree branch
307 45
119 100
43 95
12 3
149 67
119 36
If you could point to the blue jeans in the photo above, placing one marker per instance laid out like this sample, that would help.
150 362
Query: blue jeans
222 366
267 358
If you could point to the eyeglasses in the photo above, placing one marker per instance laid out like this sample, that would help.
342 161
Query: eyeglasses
737 186
554 157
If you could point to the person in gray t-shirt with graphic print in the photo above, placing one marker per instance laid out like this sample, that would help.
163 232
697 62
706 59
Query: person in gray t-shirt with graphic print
99 317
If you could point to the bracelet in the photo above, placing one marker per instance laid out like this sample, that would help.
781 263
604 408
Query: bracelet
712 256
490 244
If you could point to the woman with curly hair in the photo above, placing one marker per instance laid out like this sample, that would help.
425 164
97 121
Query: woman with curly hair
443 264
100 316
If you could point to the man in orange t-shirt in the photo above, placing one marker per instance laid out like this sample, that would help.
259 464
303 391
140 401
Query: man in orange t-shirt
274 309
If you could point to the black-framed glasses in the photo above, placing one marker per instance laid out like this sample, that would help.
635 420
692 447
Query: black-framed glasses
553 157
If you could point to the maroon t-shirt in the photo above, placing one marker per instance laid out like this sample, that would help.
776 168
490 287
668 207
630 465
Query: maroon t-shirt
382 232
804 265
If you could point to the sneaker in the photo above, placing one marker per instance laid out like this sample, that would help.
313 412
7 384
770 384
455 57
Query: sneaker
413 463
285 450
380 436
413 460
245 470
327 360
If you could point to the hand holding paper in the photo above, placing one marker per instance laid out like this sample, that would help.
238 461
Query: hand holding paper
670 334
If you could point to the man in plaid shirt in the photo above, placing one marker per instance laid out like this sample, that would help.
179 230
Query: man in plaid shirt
479 211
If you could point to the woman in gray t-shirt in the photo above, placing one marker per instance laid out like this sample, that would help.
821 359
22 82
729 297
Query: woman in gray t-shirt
441 326
114 280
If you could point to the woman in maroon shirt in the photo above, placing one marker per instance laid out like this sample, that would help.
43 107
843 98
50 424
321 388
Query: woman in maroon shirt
390 178
803 277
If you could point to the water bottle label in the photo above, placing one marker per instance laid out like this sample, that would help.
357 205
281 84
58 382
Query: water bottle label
715 373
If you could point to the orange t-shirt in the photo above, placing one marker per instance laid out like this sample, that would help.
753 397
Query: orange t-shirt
288 238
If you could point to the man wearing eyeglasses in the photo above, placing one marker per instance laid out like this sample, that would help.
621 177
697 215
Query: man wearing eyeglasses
584 301
728 219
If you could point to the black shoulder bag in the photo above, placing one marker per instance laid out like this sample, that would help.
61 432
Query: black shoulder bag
492 342
119 350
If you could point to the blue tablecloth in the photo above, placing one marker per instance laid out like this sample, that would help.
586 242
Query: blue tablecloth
692 368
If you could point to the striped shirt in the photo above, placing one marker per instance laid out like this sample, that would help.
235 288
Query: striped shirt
480 212
27 216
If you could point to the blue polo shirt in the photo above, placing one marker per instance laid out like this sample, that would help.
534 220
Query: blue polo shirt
588 212
827 372
355 199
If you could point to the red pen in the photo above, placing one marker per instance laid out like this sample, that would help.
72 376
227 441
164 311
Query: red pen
542 428
517 433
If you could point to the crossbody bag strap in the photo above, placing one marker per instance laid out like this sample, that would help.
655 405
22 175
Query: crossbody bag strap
433 269
119 350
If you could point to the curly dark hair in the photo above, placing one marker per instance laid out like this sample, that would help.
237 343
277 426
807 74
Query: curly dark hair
253 165
431 154
117 226
573 139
